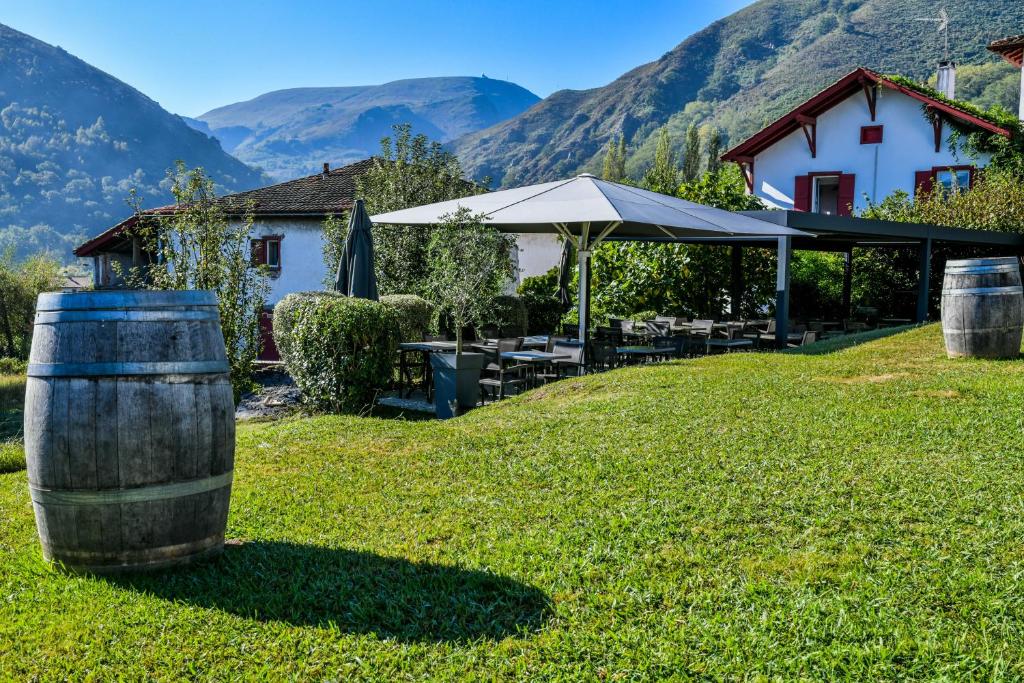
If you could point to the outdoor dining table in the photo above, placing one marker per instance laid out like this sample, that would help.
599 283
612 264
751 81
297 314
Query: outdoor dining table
533 360
638 352
426 348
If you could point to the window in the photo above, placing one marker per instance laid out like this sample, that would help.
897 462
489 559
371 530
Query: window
825 195
953 179
870 135
266 251
273 252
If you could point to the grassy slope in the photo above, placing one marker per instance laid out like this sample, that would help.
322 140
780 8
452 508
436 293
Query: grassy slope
849 514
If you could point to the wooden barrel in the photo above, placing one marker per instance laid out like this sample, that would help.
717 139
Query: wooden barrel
982 308
129 428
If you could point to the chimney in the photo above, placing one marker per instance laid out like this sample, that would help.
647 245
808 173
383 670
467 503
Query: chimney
947 79
327 168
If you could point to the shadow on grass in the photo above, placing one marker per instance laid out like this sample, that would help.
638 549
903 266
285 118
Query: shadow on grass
847 341
355 592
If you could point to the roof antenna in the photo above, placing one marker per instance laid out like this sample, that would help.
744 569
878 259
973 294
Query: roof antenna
943 27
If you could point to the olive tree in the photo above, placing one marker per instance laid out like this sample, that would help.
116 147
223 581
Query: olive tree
410 171
468 266
197 247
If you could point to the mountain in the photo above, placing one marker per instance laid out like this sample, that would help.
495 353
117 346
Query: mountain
740 73
291 132
74 141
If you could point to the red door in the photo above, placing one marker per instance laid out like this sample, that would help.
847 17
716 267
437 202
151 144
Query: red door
269 351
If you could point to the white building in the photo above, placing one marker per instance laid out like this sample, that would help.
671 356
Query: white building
860 139
286 235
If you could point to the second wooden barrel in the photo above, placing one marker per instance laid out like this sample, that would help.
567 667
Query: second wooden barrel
983 308
129 428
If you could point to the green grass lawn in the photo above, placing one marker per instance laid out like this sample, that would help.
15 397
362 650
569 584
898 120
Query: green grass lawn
853 514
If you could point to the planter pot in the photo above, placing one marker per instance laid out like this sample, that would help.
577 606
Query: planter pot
456 382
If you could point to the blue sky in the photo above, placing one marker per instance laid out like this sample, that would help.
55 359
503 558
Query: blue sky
192 56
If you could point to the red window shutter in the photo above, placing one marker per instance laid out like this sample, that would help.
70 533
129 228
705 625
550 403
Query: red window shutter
923 182
258 252
870 135
802 193
846 189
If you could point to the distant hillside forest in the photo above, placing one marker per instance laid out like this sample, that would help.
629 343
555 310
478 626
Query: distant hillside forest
75 141
741 73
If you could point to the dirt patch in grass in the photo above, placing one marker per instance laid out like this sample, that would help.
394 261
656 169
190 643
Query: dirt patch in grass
866 379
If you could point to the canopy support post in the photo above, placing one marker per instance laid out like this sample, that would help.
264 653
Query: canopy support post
847 283
736 290
922 282
584 247
583 262
782 276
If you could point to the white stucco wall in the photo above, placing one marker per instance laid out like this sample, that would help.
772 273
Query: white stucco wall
908 146
538 253
302 256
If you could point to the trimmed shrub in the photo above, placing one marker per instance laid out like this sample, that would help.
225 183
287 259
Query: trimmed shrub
507 313
643 315
339 350
415 315
543 313
284 320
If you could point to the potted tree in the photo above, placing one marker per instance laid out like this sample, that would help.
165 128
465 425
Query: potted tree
469 264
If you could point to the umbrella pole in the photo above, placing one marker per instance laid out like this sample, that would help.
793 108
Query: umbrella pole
584 304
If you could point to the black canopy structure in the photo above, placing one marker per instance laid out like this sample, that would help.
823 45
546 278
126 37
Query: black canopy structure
821 232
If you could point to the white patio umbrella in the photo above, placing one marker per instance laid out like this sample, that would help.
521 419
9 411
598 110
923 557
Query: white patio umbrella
588 210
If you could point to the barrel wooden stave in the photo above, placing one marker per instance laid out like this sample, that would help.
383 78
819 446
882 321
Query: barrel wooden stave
982 308
114 433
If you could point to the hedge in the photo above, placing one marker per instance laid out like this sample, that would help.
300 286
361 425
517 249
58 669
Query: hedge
339 350
507 313
543 313
415 315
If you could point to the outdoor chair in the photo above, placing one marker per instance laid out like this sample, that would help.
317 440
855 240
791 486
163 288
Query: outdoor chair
809 337
762 335
672 321
503 373
552 340
733 341
658 328
574 365
609 334
700 332
602 356
673 346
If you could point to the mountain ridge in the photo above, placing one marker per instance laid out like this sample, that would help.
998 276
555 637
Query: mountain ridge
738 73
75 140
290 131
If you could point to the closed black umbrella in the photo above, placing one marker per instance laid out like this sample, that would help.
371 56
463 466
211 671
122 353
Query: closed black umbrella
356 274
565 266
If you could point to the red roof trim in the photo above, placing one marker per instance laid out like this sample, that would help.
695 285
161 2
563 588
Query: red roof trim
834 94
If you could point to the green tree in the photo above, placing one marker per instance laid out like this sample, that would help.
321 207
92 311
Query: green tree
691 155
615 160
663 175
411 170
469 265
197 247
21 282
335 230
714 149
684 279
